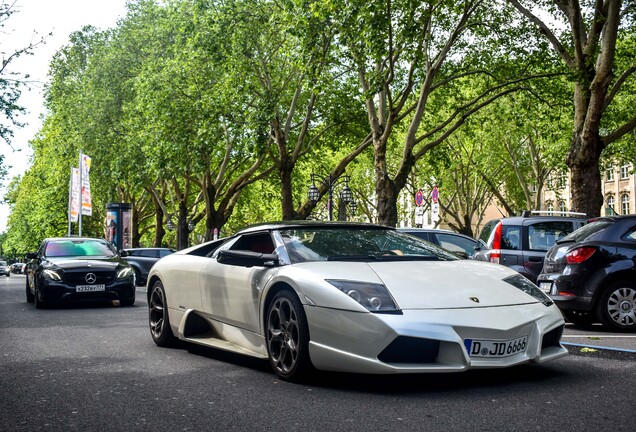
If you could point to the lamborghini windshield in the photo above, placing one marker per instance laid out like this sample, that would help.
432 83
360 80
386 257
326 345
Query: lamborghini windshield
357 244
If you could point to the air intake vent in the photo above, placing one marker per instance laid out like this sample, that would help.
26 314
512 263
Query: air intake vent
406 349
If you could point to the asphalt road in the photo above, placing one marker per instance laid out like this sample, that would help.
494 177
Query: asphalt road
82 368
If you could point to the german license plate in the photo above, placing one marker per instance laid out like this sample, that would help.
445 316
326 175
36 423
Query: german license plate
546 287
90 288
496 348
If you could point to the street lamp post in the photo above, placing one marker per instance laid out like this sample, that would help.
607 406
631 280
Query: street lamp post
181 222
329 182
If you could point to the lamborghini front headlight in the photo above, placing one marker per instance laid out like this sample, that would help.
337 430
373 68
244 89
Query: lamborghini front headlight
373 296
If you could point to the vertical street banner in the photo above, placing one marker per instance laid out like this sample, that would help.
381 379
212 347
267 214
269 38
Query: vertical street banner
74 193
87 206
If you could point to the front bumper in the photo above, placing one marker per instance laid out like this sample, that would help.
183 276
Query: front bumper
429 340
54 291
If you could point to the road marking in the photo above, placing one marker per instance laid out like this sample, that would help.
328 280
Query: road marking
599 347
593 336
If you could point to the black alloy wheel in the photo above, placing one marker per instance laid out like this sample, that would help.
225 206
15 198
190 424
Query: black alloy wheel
37 299
158 317
287 337
618 306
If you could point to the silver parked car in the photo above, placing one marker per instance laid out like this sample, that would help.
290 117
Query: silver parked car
4 269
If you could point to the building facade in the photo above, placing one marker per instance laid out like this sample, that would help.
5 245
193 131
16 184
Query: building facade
618 186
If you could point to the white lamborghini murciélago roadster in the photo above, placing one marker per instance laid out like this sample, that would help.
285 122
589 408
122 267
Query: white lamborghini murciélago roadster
349 297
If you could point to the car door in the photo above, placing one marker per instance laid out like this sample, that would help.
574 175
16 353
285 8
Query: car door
231 293
146 259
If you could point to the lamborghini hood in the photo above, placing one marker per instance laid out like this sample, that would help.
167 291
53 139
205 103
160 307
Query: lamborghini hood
449 284
432 284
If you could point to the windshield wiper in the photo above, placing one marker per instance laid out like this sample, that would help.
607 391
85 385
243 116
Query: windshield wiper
352 258
383 257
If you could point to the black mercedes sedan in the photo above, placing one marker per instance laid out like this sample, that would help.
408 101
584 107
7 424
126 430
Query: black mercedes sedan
591 273
78 269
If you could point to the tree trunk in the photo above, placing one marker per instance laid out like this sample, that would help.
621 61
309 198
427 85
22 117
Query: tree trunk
160 232
387 202
585 150
285 175
586 189
183 233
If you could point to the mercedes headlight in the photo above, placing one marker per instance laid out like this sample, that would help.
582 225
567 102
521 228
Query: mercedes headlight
374 297
521 282
125 272
51 275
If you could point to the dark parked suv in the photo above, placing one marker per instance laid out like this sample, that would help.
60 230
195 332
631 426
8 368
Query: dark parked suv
142 260
591 273
521 242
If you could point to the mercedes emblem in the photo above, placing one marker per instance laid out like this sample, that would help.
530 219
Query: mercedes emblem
90 278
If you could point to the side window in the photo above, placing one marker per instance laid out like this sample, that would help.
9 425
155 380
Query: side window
164 252
422 235
630 235
147 253
543 235
261 243
487 229
456 243
511 237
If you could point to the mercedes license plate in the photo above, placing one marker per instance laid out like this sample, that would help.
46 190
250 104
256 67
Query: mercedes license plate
90 288
496 348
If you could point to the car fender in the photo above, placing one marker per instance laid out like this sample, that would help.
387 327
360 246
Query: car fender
608 275
135 266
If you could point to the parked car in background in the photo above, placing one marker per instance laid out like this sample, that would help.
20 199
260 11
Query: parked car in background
459 244
591 273
521 242
78 269
17 268
142 260
4 269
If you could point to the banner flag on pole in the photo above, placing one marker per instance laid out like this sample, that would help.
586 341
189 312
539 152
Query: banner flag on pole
75 194
87 206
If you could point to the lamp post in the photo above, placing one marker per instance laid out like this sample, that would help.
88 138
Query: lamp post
329 182
181 222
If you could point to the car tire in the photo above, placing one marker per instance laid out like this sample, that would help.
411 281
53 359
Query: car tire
39 304
578 318
287 337
158 318
127 301
617 307
30 298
